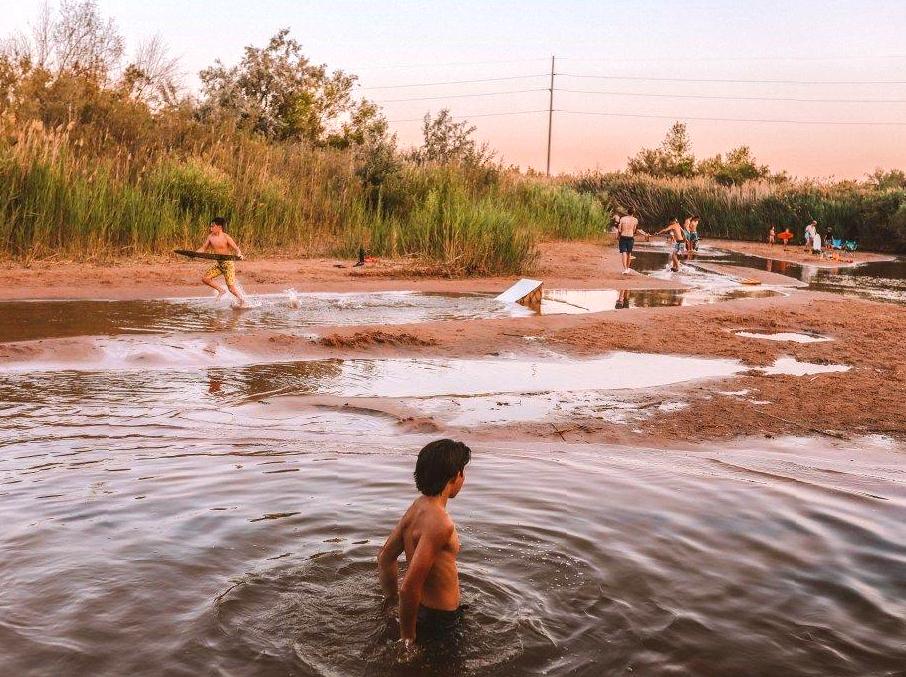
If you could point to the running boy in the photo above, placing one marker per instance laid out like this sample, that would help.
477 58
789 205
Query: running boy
429 594
678 239
220 243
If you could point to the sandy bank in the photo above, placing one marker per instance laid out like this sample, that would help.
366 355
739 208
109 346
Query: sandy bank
560 264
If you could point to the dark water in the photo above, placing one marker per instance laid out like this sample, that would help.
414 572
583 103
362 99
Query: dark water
149 527
139 540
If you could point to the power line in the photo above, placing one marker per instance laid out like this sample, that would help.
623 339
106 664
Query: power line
729 98
735 80
858 57
456 82
448 63
459 96
716 119
479 115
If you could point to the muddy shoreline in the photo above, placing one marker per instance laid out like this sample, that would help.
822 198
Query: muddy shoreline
865 400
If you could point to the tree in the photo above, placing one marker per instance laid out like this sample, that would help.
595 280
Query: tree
736 168
672 158
277 92
153 75
887 180
448 142
82 41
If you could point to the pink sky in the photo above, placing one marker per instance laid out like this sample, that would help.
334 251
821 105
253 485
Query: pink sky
416 41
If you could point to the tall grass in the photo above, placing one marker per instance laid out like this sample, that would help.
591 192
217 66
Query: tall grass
877 219
57 197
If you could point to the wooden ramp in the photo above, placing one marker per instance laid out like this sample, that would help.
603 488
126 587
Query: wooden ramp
525 292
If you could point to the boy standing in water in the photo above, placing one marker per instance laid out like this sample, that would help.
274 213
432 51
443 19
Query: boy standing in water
693 234
627 227
429 595
220 243
678 239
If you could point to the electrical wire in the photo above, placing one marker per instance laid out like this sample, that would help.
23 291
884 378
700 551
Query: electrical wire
735 80
459 96
448 63
457 82
479 115
859 57
716 119
725 98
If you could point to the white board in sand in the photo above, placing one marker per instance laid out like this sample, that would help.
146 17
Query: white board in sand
526 292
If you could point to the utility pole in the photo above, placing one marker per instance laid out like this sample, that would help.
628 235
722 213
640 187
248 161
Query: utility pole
550 117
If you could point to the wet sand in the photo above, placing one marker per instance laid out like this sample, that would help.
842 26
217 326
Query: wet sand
866 399
561 264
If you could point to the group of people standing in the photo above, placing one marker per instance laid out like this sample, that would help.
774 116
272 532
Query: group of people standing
683 238
812 238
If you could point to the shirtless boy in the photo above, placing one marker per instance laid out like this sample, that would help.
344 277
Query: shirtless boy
692 231
220 243
627 227
678 239
429 594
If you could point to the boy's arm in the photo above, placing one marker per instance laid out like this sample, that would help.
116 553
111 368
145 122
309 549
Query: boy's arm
235 247
205 245
429 545
387 566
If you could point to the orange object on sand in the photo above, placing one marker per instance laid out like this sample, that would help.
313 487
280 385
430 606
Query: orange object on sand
785 235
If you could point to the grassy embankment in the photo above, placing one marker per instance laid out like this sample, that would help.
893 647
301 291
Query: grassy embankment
59 198
875 218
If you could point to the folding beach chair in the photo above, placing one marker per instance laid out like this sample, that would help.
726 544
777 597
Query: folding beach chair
850 245
836 244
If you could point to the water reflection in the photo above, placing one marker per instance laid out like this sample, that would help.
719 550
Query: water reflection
573 559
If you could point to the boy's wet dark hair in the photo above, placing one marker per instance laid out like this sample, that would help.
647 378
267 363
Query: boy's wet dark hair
438 463
630 212
220 221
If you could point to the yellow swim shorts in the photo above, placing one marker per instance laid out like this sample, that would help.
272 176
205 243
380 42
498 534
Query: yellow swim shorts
225 268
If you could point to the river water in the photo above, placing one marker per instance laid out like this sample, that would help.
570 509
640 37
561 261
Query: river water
162 521
176 536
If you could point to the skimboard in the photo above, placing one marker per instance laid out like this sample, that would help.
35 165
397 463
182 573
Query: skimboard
749 280
525 292
206 255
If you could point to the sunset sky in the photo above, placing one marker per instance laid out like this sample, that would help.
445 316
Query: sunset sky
403 43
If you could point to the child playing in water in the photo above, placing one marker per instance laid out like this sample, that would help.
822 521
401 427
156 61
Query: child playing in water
678 240
220 243
429 594
693 233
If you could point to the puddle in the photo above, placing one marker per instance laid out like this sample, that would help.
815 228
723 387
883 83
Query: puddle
290 311
793 337
879 281
790 366
580 301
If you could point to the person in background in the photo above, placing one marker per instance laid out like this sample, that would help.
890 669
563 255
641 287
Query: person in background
693 233
627 227
678 241
810 231
772 234
828 237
